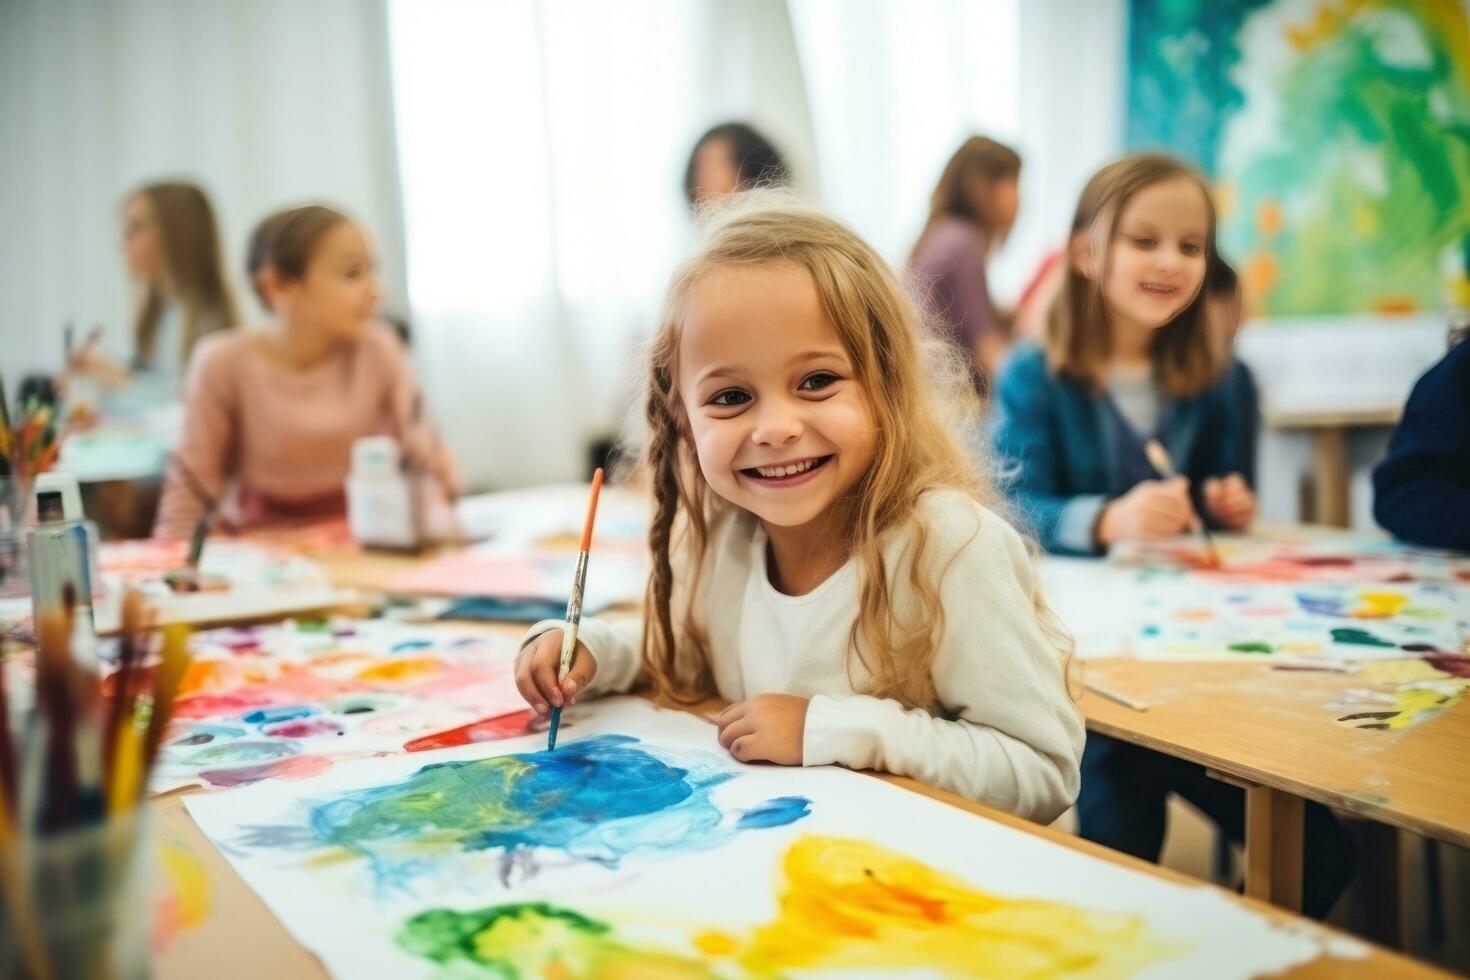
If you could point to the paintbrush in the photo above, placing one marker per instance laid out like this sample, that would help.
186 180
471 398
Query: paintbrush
7 739
133 615
58 808
165 686
187 578
1159 459
574 604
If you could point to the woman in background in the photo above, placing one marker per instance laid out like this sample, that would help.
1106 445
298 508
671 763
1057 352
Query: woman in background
732 157
172 250
971 212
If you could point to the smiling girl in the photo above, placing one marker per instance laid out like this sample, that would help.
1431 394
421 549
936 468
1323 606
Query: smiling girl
824 557
271 412
1128 355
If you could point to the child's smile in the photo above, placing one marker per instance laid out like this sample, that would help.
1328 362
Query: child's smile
781 426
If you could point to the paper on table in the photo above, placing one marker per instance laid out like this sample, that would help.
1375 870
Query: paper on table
489 570
1096 601
726 878
524 516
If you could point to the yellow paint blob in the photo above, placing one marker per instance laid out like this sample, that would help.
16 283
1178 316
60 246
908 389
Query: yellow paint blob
185 897
400 671
1380 605
850 904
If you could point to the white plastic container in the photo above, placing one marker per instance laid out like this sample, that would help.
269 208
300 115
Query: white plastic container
382 500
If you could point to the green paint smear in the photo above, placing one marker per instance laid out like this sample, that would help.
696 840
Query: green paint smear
1360 638
1252 648
534 940
1369 164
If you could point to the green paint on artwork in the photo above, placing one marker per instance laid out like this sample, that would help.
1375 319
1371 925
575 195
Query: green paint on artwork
1337 134
1358 637
1252 648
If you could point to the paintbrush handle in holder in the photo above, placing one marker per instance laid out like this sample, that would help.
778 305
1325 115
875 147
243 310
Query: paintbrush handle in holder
85 906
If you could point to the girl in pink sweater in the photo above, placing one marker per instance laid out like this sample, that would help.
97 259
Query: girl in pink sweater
271 411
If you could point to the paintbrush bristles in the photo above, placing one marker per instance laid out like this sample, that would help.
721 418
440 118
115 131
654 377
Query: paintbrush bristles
1158 458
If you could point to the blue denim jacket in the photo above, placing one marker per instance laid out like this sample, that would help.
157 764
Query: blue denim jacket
1059 447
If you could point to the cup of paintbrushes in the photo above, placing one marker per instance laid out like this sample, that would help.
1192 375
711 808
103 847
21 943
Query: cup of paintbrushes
77 903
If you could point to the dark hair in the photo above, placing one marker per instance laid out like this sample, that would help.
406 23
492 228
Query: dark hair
757 161
1222 280
287 240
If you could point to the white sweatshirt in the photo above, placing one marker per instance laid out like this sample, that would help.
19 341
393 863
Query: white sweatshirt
1007 733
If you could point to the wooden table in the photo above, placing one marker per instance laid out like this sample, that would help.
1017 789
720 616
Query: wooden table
1332 476
242 938
1272 733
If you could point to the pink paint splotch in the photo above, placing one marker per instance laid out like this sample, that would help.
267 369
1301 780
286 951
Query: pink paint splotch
296 767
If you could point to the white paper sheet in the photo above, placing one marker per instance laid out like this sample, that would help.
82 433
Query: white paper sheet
703 903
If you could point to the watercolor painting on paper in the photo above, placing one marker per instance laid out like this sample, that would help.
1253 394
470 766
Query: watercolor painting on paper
287 702
639 848
1189 619
1336 133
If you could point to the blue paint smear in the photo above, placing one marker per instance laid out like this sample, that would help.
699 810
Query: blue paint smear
598 799
403 646
267 716
1321 605
776 813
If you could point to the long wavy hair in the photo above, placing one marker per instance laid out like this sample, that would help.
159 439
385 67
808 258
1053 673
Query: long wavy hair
190 240
921 400
1187 355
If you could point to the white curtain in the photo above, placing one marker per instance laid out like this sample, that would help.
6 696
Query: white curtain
895 87
542 147
265 104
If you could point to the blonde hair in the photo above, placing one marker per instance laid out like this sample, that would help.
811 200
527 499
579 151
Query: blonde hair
191 250
1187 355
921 399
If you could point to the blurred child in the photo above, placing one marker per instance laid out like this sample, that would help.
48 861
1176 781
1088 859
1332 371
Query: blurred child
729 158
1131 352
272 411
971 212
1129 355
1421 490
172 250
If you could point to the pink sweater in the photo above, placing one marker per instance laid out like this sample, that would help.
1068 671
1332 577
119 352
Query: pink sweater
272 442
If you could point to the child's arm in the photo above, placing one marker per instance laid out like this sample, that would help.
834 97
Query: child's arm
206 446
1016 738
1421 490
1026 442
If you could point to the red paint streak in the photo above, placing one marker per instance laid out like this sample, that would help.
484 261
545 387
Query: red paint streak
295 768
1452 664
484 730
222 705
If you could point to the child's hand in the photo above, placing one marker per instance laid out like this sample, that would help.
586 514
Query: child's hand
1152 509
536 673
766 728
1230 500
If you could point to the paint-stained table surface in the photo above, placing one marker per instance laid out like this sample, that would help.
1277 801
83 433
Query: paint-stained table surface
1275 728
240 937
